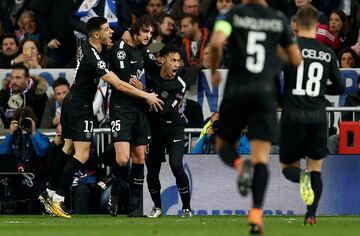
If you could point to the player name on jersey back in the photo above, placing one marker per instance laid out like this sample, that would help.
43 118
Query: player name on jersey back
315 54
258 24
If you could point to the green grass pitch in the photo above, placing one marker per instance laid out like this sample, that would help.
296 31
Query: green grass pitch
105 225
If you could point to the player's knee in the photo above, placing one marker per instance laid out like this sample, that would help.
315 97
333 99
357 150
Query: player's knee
139 159
122 160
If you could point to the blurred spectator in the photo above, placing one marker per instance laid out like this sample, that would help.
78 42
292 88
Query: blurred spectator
9 50
32 56
21 90
335 34
10 11
24 150
215 8
294 5
118 15
155 7
206 142
348 58
58 38
194 40
27 27
183 7
2 29
52 111
167 30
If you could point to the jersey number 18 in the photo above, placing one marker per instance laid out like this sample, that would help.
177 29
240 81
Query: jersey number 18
312 87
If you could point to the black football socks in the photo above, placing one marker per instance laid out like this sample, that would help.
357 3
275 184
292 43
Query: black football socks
72 166
259 183
136 187
317 185
57 168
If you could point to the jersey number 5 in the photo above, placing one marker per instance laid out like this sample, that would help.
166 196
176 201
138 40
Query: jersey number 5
255 51
312 87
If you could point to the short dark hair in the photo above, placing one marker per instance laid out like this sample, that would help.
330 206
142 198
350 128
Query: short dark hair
307 16
162 17
22 67
169 48
192 17
60 81
143 22
24 112
164 2
37 44
353 54
95 23
5 36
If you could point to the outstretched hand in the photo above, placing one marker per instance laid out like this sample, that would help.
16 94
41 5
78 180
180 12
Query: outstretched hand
154 102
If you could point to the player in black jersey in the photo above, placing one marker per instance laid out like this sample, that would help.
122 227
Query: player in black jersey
304 121
77 113
167 126
129 123
254 32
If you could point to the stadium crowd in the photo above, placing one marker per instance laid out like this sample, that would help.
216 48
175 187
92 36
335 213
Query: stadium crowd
39 34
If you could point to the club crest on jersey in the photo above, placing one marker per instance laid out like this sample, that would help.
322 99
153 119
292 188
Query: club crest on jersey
101 64
151 56
164 94
88 135
121 55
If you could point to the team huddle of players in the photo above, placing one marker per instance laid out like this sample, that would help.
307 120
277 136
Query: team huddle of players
259 41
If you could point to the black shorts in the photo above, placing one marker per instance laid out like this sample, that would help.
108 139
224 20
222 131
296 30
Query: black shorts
77 120
129 125
166 136
257 111
300 140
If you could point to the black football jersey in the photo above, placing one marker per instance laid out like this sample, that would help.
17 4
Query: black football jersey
126 62
256 33
305 86
90 67
170 91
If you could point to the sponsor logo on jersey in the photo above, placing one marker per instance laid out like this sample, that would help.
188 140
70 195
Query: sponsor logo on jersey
121 55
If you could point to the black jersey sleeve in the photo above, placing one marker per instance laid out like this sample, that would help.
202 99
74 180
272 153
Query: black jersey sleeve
173 103
286 38
98 65
337 86
150 63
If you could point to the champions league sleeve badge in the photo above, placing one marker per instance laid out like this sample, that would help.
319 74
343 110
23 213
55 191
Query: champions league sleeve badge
101 64
15 101
151 57
121 55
